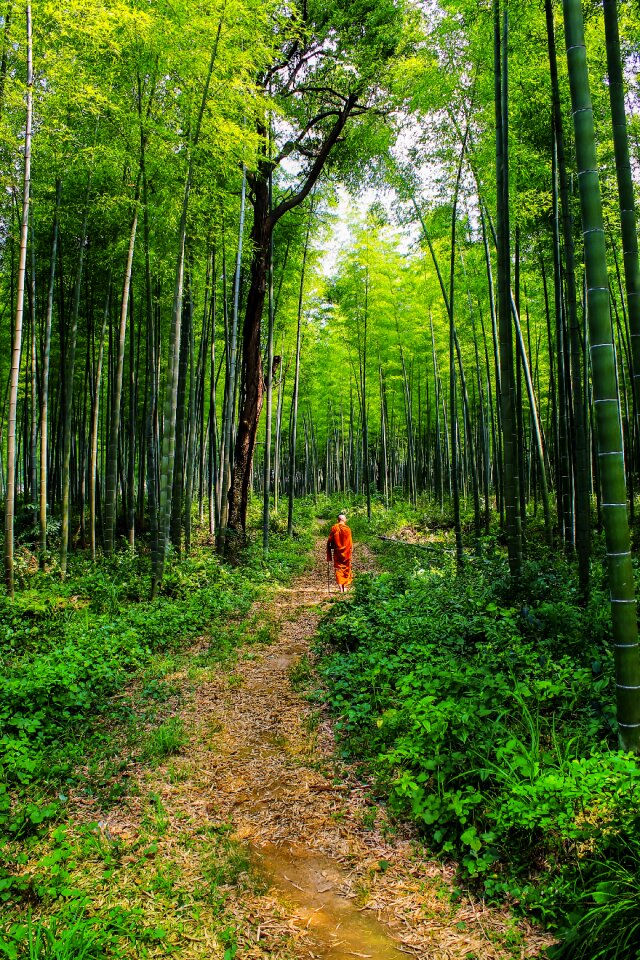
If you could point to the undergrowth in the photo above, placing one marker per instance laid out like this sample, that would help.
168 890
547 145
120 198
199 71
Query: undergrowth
488 715
85 691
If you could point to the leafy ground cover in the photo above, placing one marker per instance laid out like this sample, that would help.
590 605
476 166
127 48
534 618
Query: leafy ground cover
487 715
85 694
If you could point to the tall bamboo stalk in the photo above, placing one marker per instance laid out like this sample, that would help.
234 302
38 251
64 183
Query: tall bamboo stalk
114 431
95 420
626 193
44 391
67 414
269 392
582 512
606 398
511 478
171 387
17 327
293 431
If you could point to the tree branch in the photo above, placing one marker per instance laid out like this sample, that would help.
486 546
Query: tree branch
294 144
316 169
312 88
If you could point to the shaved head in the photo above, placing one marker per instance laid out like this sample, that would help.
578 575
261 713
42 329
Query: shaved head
343 517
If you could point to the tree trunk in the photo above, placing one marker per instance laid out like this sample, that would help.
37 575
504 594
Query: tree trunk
510 477
17 329
213 422
230 377
293 431
67 413
44 393
626 196
252 386
114 431
606 398
267 435
252 377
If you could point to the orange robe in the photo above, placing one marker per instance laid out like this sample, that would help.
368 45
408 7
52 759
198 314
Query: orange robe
340 543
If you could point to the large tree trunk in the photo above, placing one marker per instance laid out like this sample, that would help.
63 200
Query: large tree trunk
252 377
270 370
231 347
252 387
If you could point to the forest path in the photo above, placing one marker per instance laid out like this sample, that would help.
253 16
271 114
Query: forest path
311 866
340 881
275 782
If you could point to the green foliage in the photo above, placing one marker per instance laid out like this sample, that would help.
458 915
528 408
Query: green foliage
68 648
166 740
73 935
489 718
610 927
301 673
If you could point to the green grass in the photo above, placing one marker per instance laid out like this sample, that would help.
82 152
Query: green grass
166 740
72 935
87 684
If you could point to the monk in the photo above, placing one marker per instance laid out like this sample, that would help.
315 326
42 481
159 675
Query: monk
340 544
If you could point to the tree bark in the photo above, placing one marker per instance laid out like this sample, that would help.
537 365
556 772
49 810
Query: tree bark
114 432
626 196
44 393
293 431
606 398
511 480
252 386
17 329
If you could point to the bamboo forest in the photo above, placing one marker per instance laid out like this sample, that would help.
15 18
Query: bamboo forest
320 471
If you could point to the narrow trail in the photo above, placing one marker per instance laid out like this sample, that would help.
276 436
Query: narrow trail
340 880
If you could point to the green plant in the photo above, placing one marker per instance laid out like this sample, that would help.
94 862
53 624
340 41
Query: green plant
166 740
73 935
101 630
605 922
486 716
301 673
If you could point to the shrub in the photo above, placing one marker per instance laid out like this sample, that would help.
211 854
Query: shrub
489 719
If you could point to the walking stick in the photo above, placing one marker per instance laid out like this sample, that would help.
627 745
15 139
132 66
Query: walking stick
329 577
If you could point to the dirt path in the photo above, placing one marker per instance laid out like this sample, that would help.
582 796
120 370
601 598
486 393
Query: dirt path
340 881
343 880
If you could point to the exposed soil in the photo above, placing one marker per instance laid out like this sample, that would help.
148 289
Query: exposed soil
340 880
